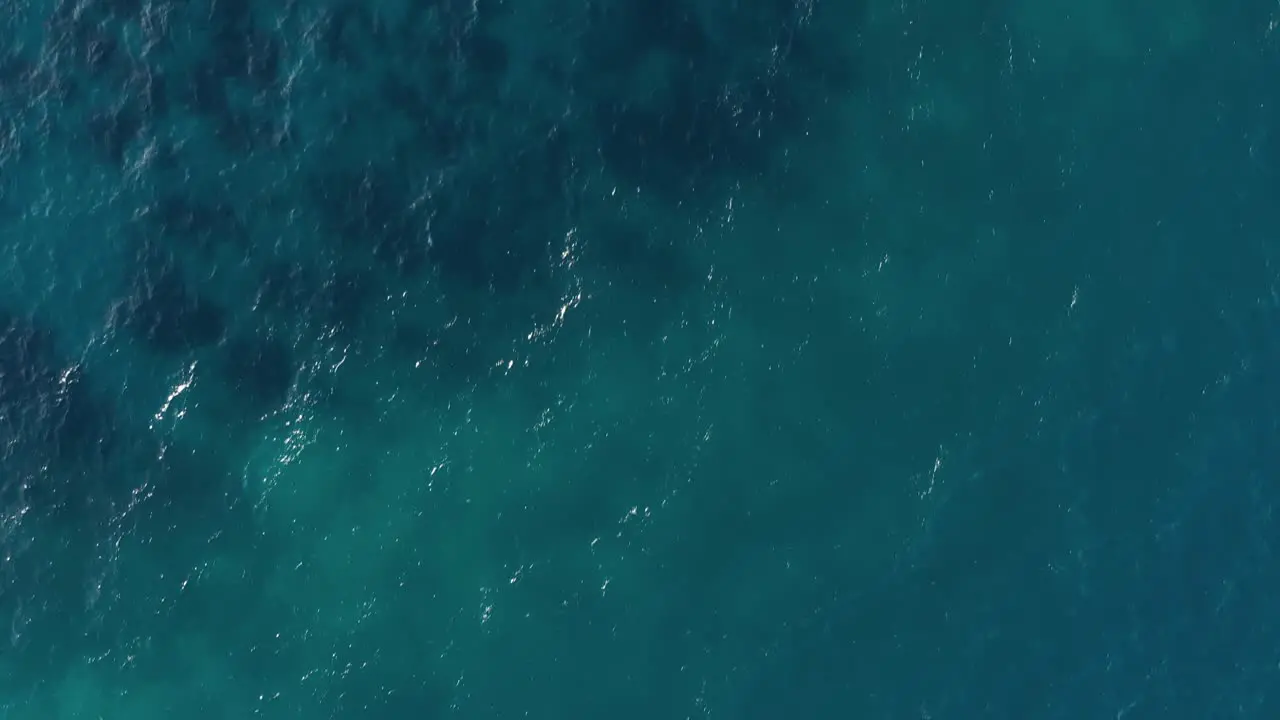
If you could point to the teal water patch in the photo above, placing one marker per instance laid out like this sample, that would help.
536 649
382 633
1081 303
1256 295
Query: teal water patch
455 359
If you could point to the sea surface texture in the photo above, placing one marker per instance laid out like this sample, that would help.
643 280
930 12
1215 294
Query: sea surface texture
639 359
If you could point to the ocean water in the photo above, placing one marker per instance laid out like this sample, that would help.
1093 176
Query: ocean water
740 359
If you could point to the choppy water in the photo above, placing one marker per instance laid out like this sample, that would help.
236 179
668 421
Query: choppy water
652 359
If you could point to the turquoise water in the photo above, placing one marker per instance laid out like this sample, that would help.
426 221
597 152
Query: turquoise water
774 359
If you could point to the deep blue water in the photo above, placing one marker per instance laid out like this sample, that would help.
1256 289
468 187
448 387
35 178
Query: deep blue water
639 359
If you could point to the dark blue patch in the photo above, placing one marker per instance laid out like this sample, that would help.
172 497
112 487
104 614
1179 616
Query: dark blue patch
495 237
283 287
623 33
347 297
646 262
51 425
484 56
205 92
99 52
112 130
206 226
369 214
349 32
260 368
154 95
442 133
170 314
